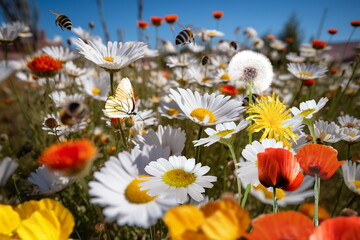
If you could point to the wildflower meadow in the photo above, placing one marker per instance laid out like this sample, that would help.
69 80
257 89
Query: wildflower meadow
198 136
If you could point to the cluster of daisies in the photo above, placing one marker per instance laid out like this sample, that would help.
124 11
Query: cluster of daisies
132 134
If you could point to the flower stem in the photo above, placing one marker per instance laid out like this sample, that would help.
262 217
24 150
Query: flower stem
312 131
275 204
347 43
338 197
348 151
5 54
112 83
250 87
197 150
297 94
246 194
316 203
231 148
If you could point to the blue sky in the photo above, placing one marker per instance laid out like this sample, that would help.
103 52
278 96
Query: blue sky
263 15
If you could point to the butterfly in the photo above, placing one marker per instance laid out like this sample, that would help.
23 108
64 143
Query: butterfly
122 104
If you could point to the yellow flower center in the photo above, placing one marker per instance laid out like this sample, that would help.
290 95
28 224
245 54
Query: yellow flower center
357 184
96 91
109 59
307 112
178 178
206 79
222 65
223 133
211 33
305 74
225 77
173 112
269 195
350 125
133 193
200 113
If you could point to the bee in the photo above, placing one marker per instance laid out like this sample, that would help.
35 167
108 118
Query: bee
233 44
73 112
205 60
62 21
245 101
184 37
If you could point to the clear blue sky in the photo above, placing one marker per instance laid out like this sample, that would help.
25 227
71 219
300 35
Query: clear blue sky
264 15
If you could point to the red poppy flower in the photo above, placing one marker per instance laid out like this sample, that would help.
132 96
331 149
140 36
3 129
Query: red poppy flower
309 82
318 159
318 44
156 21
44 66
282 225
277 167
355 23
142 24
271 37
171 18
228 90
332 31
344 228
70 157
218 14
334 70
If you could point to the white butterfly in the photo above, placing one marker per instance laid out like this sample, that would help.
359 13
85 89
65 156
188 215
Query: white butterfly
122 104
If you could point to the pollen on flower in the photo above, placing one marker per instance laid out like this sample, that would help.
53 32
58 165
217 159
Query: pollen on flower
225 132
269 195
225 77
109 59
356 183
222 65
178 178
133 193
201 113
306 74
96 91
173 112
307 112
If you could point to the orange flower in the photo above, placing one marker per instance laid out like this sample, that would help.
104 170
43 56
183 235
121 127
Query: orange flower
282 225
344 228
218 14
70 157
309 82
308 210
277 167
142 24
44 66
271 37
171 18
156 21
318 44
228 90
334 70
289 40
355 23
332 31
320 160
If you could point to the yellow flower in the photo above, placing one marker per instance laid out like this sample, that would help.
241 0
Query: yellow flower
268 115
9 221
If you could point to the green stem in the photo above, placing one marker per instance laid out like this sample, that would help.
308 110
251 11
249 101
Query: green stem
246 194
231 148
312 131
338 197
5 55
316 202
197 150
250 87
347 43
17 191
348 152
297 94
112 83
63 203
275 204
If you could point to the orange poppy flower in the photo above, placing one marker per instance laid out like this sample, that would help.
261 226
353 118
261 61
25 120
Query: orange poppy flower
271 37
332 31
320 160
277 167
228 90
156 21
308 210
70 157
355 23
318 44
344 228
218 14
282 225
334 70
44 66
309 82
142 24
171 18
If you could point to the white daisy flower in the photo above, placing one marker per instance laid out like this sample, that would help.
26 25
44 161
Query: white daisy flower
293 57
258 43
278 44
223 76
248 171
201 76
306 71
167 136
253 67
97 87
150 53
351 173
6 70
47 181
306 50
61 53
265 195
116 189
177 176
112 57
224 131
327 132
208 109
84 35
250 32
214 33
170 109
301 141
60 98
307 110
73 71
348 121
10 31
183 60
167 47
61 129
350 135
195 48
7 168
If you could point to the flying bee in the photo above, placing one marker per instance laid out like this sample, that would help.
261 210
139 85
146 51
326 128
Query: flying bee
233 44
184 37
245 101
73 112
205 60
62 21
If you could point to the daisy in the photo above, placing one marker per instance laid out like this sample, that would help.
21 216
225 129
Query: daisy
306 71
7 168
6 69
224 132
112 57
307 110
214 33
97 87
84 35
73 71
351 173
116 189
46 181
196 48
248 171
278 44
60 53
60 98
170 109
293 57
258 43
250 32
327 132
285 198
208 109
350 135
252 67
167 47
57 127
10 31
177 176
348 121
306 50
201 76
183 60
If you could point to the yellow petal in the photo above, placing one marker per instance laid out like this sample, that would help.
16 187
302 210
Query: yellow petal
9 220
